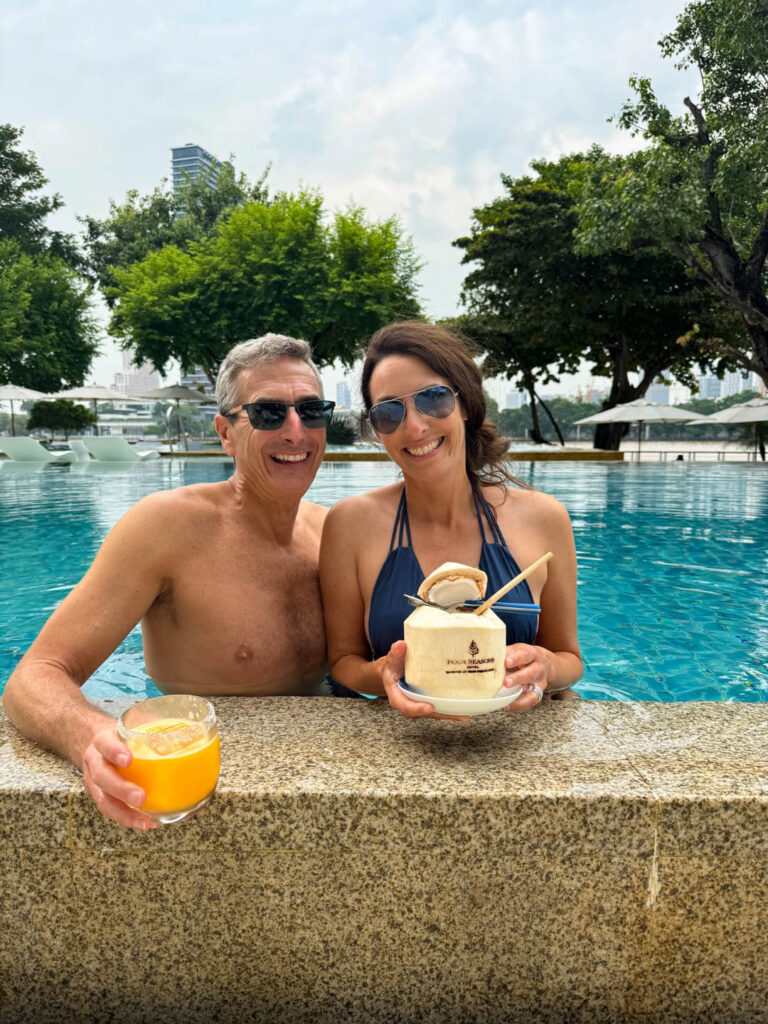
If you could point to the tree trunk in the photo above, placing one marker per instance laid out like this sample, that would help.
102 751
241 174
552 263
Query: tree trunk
759 336
536 436
608 435
553 421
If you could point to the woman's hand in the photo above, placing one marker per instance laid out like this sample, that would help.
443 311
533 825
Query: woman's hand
392 671
529 667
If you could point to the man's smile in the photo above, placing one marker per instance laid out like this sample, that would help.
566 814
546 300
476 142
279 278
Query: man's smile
292 457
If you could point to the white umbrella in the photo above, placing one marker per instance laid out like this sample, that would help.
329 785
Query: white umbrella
178 393
91 393
642 411
754 411
15 393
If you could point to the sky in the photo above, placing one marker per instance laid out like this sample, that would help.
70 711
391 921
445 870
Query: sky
407 108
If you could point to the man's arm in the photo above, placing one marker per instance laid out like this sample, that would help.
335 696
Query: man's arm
43 698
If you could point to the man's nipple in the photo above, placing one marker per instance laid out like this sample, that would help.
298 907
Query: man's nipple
244 654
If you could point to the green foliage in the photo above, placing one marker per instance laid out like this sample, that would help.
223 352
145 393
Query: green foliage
271 267
48 337
700 187
536 305
342 429
145 223
60 414
19 423
23 211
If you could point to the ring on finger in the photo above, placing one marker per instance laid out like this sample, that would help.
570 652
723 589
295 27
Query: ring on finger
539 693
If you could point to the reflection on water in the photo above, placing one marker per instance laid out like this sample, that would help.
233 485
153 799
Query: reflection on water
673 563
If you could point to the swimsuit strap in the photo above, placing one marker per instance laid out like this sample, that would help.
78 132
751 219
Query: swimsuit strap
496 533
401 524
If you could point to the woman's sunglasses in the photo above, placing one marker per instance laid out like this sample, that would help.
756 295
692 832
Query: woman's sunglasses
314 413
438 401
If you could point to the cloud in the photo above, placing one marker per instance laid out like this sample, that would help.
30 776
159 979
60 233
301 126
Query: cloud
409 108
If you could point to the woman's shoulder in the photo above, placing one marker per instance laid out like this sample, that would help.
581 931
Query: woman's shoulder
522 501
365 508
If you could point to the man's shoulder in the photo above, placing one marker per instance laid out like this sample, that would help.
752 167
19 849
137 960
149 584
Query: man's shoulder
180 506
313 515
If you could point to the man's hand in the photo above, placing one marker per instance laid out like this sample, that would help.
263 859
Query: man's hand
115 797
392 671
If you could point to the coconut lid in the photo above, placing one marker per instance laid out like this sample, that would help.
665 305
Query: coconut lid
453 582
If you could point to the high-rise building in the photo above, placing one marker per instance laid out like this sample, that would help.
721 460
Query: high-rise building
134 381
196 162
515 399
736 382
343 397
709 386
658 393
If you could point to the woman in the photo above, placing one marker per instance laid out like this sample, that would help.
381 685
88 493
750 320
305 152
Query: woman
424 401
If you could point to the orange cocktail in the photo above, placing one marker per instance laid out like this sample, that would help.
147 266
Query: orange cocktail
175 747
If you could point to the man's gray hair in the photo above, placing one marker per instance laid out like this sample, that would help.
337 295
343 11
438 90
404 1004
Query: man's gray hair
258 352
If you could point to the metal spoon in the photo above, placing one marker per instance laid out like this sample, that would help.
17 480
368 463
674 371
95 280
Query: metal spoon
419 602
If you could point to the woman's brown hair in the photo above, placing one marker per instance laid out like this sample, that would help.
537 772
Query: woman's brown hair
448 355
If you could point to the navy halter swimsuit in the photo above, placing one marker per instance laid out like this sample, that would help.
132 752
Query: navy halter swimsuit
401 574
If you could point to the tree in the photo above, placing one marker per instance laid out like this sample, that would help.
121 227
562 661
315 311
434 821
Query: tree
145 223
271 267
48 337
60 414
47 334
701 187
22 211
535 302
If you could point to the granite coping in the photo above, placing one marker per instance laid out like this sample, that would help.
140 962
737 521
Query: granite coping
290 763
582 862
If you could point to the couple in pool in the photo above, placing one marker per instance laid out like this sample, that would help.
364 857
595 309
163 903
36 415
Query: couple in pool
224 577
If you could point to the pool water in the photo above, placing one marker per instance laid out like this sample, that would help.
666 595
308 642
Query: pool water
673 564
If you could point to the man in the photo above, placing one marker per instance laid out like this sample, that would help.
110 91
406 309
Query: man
223 578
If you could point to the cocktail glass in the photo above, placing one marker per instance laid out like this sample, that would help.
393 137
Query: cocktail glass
175 745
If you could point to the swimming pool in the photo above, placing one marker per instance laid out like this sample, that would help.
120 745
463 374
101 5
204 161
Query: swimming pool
673 564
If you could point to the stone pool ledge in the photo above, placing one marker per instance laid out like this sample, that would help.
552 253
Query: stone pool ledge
589 862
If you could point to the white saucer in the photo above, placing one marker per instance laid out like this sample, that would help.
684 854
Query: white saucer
456 706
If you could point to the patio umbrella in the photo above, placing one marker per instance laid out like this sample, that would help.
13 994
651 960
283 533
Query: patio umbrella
642 411
91 393
15 393
754 411
178 393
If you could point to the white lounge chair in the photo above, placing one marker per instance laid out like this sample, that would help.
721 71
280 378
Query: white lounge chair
115 449
27 449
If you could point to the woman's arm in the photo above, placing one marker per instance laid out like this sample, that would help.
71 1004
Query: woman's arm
553 663
343 603
346 530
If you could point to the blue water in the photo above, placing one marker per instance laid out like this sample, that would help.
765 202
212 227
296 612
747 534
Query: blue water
673 564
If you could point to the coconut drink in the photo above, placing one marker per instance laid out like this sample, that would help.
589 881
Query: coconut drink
454 653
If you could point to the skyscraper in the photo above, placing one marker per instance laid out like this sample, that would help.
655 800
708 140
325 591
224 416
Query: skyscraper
134 381
196 162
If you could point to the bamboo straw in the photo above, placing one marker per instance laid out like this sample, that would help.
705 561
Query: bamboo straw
512 583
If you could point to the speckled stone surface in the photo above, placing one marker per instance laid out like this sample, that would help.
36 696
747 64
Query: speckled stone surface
584 862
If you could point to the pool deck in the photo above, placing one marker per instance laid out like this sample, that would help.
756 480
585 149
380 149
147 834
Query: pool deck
555 455
583 862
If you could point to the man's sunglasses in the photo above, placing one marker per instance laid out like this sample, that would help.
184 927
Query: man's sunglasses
438 401
314 413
